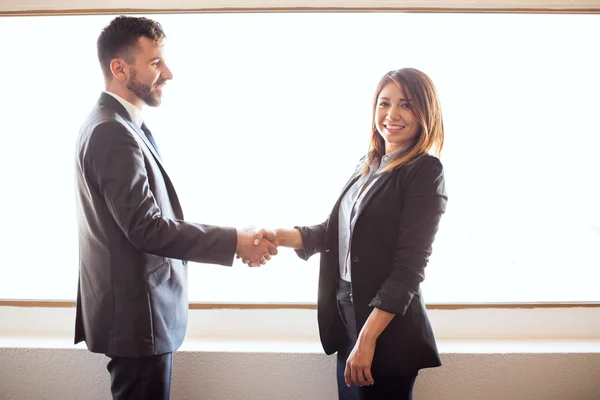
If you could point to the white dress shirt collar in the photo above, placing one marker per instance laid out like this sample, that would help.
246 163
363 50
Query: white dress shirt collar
134 112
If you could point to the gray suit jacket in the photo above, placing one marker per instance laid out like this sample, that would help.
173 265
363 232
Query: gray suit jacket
133 243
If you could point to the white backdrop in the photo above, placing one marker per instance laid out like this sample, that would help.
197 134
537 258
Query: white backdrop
265 120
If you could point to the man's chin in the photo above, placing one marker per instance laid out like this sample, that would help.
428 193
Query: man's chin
153 101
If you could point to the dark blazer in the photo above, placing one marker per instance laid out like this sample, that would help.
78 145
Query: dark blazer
132 295
390 246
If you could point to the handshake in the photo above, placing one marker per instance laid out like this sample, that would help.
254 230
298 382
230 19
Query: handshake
256 248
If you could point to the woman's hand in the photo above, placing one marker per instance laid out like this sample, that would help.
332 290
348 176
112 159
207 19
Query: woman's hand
358 365
269 236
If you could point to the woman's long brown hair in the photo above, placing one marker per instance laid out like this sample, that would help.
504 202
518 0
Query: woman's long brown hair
425 105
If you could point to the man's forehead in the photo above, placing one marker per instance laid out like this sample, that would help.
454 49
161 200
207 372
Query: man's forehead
150 48
147 43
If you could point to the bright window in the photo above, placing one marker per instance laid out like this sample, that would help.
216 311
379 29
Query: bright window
268 114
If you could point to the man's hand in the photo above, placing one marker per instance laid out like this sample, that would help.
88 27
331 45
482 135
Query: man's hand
269 235
255 248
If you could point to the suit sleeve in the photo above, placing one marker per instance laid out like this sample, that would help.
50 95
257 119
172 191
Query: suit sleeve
313 239
116 163
424 204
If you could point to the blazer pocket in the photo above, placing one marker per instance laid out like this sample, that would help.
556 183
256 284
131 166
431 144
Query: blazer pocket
149 281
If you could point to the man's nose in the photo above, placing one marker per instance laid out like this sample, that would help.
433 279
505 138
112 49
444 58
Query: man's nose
166 73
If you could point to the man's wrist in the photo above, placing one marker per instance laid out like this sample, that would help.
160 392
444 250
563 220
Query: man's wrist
241 239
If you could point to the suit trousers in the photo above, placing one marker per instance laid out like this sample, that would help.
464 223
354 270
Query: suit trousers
140 378
385 387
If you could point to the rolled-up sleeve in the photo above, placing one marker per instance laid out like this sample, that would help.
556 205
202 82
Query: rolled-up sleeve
424 203
313 240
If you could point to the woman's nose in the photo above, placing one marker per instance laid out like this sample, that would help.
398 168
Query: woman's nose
394 113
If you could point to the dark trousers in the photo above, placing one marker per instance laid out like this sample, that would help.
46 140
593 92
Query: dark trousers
385 387
140 378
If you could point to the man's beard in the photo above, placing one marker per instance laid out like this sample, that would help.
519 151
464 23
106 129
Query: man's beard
144 92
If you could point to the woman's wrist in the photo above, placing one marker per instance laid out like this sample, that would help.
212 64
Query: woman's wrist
289 238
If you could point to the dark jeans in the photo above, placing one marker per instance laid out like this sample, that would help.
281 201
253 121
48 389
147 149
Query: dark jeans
385 388
140 378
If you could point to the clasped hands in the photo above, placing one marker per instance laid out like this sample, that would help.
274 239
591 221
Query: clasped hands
256 248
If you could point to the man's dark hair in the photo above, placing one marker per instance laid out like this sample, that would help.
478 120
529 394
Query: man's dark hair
119 39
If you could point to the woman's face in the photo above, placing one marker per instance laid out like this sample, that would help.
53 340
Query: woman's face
394 118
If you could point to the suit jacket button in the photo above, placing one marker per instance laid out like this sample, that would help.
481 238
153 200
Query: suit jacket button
355 259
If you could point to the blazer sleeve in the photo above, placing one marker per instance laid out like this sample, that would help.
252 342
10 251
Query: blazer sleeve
424 203
313 239
115 161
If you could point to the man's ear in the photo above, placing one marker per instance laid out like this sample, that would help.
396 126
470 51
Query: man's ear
119 69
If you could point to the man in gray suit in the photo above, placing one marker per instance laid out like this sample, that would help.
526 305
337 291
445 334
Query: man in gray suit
134 244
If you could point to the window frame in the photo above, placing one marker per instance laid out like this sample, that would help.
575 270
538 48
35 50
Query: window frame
65 7
68 7
313 306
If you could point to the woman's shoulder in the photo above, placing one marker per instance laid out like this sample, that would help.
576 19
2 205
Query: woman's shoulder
424 168
424 162
427 158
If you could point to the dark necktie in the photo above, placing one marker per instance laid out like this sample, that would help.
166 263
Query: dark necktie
150 137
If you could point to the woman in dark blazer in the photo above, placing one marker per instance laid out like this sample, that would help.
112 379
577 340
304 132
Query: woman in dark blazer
376 243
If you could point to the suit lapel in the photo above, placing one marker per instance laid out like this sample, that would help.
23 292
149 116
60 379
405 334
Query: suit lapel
107 100
377 185
143 136
110 102
349 184
332 227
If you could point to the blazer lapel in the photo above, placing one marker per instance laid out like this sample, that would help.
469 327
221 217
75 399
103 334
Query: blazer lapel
332 227
377 185
350 182
143 136
107 100
110 102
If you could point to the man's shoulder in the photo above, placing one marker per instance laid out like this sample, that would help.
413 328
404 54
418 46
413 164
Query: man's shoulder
102 114
103 127
102 118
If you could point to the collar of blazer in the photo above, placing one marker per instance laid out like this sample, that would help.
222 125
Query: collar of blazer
380 180
378 184
107 100
333 218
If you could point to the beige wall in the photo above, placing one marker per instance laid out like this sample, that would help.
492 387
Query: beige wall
488 354
20 5
76 374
